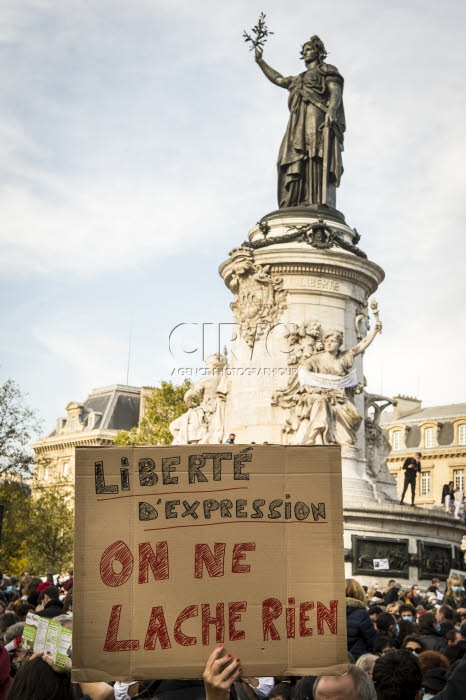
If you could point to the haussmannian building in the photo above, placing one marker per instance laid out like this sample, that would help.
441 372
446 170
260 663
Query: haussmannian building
94 422
439 433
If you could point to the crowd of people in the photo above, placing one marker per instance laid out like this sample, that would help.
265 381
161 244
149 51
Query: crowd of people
402 644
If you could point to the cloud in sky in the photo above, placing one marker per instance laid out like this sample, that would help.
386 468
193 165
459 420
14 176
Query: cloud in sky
139 143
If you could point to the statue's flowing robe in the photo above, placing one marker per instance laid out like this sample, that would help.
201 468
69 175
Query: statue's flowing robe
302 149
330 411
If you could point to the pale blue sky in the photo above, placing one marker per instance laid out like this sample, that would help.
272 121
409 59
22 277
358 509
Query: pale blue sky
138 146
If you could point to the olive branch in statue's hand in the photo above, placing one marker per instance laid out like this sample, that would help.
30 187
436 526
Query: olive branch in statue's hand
261 32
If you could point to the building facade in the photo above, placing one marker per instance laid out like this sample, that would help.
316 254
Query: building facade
439 433
94 422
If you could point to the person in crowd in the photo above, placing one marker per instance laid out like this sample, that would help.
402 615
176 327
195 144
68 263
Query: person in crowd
456 648
406 629
455 595
45 584
434 586
50 604
360 631
446 617
31 594
12 591
453 636
406 612
353 685
261 686
398 676
433 682
5 673
13 632
366 663
384 644
414 597
374 592
411 466
282 691
387 625
455 685
68 602
393 595
22 609
37 680
429 633
304 689
448 498
374 612
432 659
6 620
68 583
414 644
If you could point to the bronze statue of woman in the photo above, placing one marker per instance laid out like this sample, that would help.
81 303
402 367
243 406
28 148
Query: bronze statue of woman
309 161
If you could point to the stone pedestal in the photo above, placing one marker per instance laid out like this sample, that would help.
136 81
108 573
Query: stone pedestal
300 275
299 265
419 543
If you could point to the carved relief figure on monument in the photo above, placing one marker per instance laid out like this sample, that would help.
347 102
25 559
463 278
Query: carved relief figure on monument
203 421
319 397
260 297
377 446
309 162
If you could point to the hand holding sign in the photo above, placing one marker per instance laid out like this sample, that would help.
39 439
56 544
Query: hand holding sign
221 671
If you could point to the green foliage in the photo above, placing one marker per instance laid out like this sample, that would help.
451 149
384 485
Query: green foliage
50 530
260 31
162 407
13 547
18 424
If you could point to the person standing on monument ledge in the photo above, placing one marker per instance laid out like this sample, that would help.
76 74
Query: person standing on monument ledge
411 466
309 161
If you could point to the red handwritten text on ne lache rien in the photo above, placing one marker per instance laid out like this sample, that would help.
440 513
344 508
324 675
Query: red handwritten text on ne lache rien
223 619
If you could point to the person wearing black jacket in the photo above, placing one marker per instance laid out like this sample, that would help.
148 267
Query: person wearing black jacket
52 603
411 466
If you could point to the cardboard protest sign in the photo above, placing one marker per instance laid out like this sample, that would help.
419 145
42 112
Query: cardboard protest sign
181 548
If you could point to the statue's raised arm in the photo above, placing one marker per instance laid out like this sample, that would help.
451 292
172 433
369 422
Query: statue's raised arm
274 76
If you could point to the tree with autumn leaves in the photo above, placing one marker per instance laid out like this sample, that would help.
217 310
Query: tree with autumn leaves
37 531
161 408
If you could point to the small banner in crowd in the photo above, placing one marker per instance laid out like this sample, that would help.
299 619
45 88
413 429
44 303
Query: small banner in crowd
181 548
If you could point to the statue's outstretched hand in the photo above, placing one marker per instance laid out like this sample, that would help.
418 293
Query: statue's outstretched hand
258 53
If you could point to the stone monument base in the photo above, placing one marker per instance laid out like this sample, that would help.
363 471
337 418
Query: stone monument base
418 543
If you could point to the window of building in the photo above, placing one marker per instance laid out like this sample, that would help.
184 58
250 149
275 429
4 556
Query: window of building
46 473
458 479
462 434
429 437
397 439
73 423
66 469
425 483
